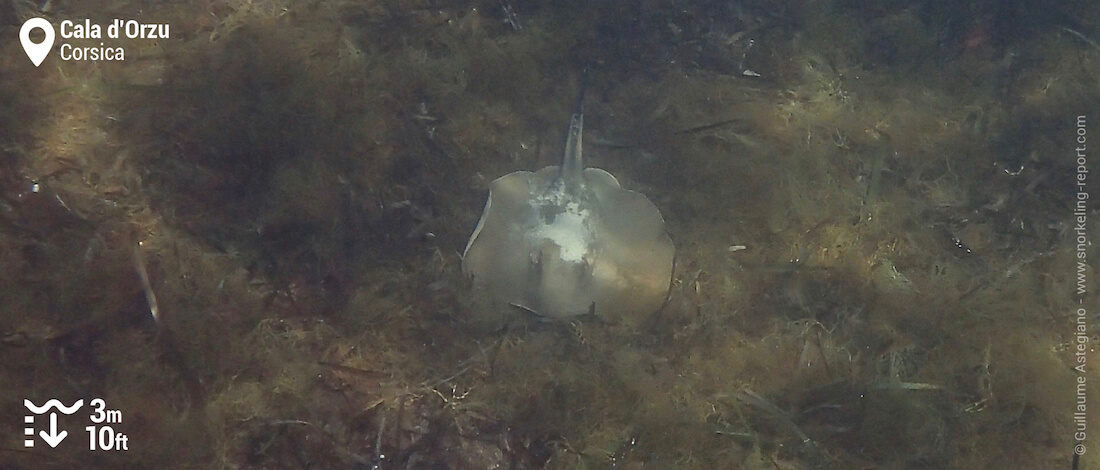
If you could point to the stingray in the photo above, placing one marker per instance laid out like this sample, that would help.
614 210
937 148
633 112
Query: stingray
568 240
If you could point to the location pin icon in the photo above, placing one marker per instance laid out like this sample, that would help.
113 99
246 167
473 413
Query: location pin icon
37 52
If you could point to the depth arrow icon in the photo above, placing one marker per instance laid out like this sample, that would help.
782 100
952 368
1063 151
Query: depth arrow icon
53 438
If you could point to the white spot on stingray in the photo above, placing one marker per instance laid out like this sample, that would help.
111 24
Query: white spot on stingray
569 231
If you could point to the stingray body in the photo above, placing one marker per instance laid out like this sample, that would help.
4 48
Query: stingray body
568 240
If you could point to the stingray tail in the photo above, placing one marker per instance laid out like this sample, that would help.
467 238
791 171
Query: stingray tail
572 165
578 107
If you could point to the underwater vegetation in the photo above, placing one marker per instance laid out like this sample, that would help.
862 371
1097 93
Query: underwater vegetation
247 237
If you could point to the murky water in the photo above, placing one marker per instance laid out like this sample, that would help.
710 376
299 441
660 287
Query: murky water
239 246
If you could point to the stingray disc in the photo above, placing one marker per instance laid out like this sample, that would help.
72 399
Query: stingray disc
562 243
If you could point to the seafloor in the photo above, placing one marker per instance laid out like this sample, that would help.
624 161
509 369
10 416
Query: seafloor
246 237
